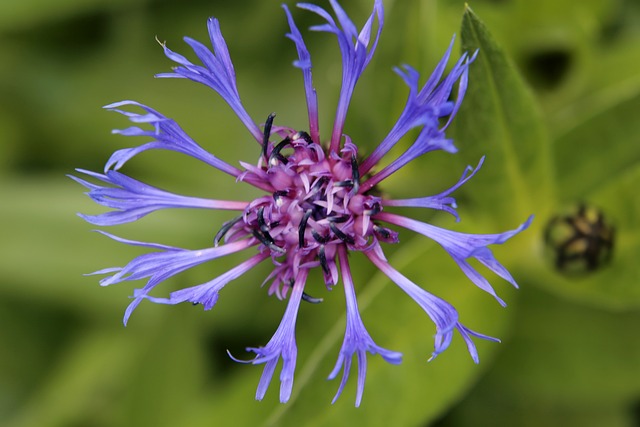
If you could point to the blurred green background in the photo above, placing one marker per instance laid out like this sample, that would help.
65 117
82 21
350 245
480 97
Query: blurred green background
571 349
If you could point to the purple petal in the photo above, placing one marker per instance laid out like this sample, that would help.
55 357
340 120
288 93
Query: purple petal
440 201
282 344
356 339
207 293
462 89
159 266
304 63
218 72
466 335
426 106
133 199
167 135
137 243
355 56
462 246
165 264
428 140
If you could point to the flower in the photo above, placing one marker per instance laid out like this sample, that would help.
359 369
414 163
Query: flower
319 202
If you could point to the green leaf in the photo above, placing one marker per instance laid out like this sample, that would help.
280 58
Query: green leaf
120 377
566 354
608 78
600 148
499 118
17 15
512 410
168 372
91 366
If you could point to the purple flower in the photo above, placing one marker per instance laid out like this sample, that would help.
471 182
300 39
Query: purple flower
319 201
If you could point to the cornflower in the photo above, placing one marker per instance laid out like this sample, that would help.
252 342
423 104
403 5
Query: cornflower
320 201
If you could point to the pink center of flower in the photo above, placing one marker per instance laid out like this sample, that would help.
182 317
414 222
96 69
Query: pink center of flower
315 206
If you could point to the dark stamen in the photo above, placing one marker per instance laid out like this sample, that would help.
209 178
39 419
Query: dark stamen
280 193
345 183
319 238
275 153
262 223
338 219
340 235
308 298
376 209
302 134
268 241
318 185
225 229
381 231
323 260
355 173
303 227
277 248
267 237
267 134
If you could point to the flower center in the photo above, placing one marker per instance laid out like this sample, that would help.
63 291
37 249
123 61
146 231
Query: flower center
315 205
